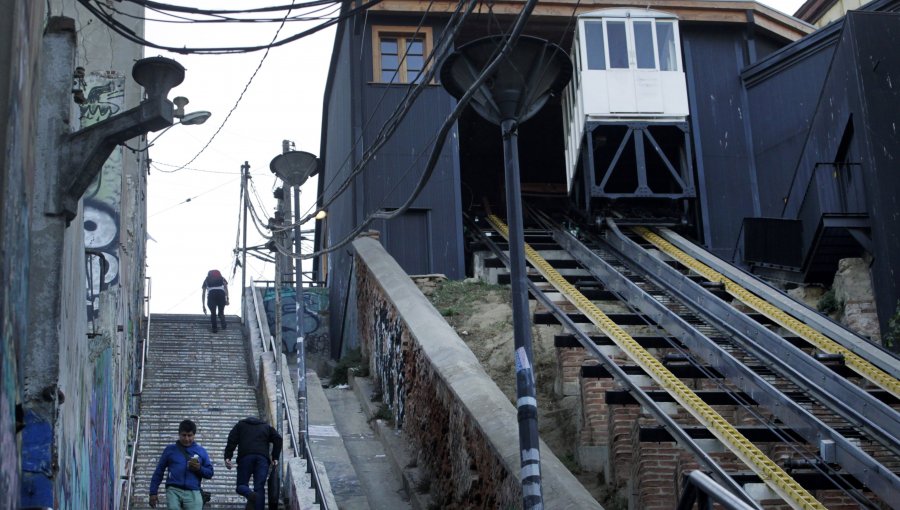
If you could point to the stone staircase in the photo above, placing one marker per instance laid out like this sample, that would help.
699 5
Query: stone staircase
193 373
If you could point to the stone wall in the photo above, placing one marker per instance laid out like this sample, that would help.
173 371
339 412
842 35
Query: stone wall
853 289
462 425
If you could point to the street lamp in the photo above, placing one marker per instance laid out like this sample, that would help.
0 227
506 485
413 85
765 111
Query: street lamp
533 71
186 119
294 168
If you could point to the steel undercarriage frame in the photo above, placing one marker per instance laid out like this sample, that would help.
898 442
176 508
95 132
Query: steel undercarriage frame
681 172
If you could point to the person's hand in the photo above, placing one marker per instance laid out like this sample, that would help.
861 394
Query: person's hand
154 499
204 309
194 465
227 302
228 463
274 462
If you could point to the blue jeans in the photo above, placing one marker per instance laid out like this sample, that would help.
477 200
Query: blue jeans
256 466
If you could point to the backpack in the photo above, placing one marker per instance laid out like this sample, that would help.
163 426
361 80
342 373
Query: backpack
214 279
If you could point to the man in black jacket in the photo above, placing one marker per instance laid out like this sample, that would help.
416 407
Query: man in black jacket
252 438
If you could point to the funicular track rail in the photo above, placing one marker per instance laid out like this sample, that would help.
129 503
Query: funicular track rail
839 422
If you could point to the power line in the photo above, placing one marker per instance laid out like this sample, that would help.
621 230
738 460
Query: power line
197 10
155 163
394 119
99 10
189 199
238 102
331 7
499 54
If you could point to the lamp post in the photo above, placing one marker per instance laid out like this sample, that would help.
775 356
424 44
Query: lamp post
294 168
533 71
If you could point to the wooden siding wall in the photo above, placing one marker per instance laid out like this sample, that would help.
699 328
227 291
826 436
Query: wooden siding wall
780 110
725 181
338 165
799 106
876 38
430 239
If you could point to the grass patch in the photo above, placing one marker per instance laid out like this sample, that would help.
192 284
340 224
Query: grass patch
828 303
353 360
454 298
384 414
568 460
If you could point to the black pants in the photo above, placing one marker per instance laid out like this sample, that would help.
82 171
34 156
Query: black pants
215 300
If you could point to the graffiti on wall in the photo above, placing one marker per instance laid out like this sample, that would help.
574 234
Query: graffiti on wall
316 312
105 94
315 317
22 49
92 425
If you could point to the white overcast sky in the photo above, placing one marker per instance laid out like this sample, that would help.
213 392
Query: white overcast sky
194 213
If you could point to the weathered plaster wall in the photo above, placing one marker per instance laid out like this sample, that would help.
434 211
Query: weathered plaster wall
90 429
20 46
97 370
462 425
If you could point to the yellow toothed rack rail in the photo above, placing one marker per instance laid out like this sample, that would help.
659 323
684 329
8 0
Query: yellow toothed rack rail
853 361
769 472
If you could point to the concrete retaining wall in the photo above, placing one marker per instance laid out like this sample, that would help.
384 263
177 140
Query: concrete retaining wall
462 425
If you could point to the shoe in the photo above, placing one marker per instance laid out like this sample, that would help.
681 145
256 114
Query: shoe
224 326
215 330
251 501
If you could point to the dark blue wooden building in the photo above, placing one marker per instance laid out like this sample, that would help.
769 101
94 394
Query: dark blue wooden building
789 130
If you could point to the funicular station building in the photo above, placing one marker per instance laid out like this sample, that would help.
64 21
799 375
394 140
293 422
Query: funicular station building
769 140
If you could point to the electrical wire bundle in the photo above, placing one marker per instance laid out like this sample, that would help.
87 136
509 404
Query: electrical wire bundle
325 11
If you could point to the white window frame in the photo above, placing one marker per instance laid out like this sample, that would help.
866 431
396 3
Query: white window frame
630 43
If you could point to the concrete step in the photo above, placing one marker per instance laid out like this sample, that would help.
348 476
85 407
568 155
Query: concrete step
196 374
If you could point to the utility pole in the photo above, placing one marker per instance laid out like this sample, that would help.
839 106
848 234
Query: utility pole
245 181
301 311
278 237
294 168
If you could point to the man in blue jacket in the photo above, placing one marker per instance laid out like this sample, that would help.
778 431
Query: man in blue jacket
252 438
187 463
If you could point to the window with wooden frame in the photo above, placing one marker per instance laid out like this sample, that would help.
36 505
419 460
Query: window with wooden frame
399 53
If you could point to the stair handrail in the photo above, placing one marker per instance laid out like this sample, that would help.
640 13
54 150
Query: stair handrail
129 477
303 445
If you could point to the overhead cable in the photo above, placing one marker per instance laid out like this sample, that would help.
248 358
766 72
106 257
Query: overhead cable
393 121
97 9
500 53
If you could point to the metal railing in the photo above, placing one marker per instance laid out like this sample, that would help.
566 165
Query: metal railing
704 491
298 440
145 345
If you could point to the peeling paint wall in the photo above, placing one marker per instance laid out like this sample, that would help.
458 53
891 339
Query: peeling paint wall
20 46
106 302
